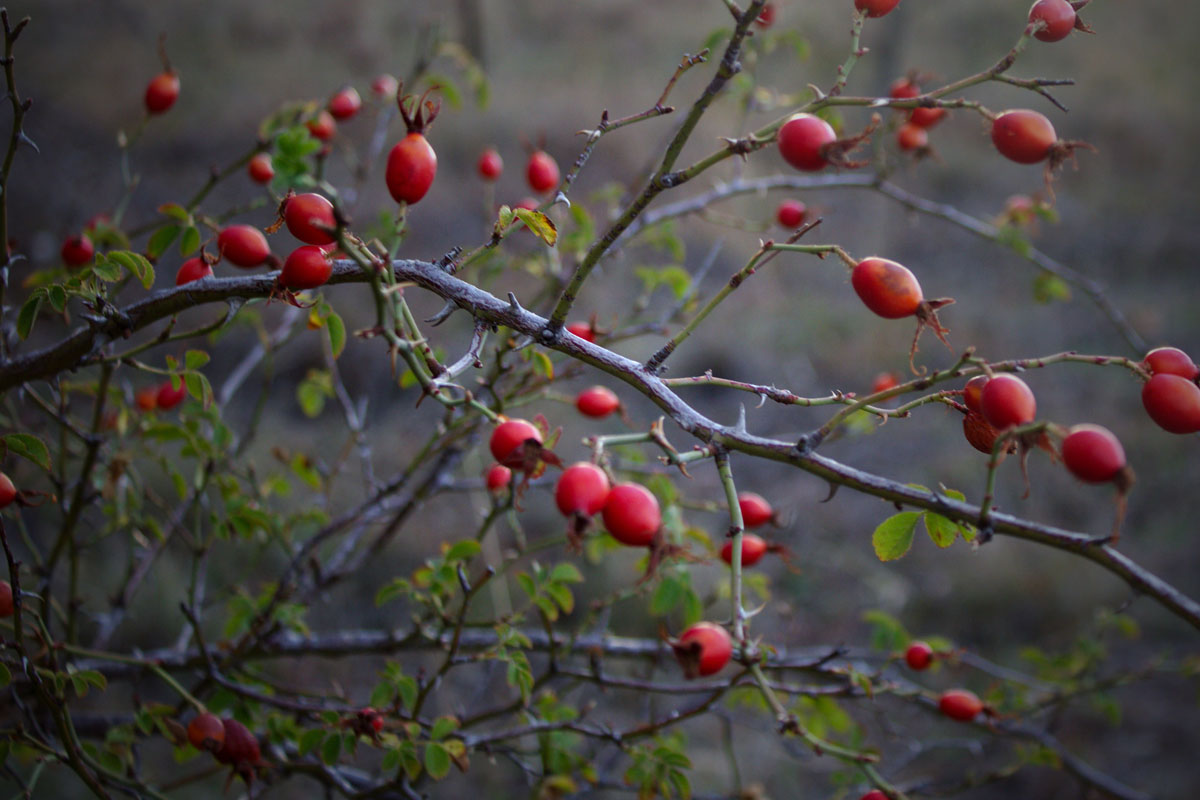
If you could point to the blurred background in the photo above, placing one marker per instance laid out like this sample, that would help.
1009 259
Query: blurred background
1128 219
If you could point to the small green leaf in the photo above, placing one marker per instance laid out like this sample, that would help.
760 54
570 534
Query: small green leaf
446 87
58 297
28 315
337 333
30 447
160 240
893 538
443 727
195 359
541 225
462 551
107 269
942 531
190 242
437 760
331 748
566 572
383 695
174 211
1048 288
309 740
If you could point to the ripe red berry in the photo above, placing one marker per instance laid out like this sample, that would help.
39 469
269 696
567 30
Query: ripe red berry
345 104
1092 453
162 92
77 250
583 330
1172 361
541 172
911 136
791 213
168 396
703 649
581 489
926 117
802 140
884 381
1024 136
753 549
631 514
756 511
385 85
904 89
192 270
306 268
1173 402
206 732
597 401
322 126
508 442
411 167
6 599
490 165
766 17
875 8
979 432
1007 401
240 748
887 288
497 477
918 656
874 794
960 704
243 245
260 168
8 492
309 217
973 393
1059 16
147 398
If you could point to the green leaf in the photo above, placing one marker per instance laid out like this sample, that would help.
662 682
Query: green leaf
107 269
336 329
174 211
893 538
30 447
199 387
541 225
462 551
674 277
437 760
446 87
407 687
309 740
195 359
1048 288
667 595
28 315
942 531
331 748
383 695
443 727
160 240
397 587
5 675
57 296
136 264
566 572
190 242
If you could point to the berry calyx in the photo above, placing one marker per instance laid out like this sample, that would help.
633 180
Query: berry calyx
490 165
309 217
77 250
6 599
541 172
876 8
162 92
243 246
597 402
515 443
8 492
1023 136
1173 402
206 732
791 213
804 141
192 270
307 267
260 169
168 396
1172 361
756 511
497 477
345 103
918 656
960 704
322 126
703 649
631 514
1058 17
1007 401
753 549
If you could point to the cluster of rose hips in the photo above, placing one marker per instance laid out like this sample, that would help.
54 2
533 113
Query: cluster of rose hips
162 397
541 172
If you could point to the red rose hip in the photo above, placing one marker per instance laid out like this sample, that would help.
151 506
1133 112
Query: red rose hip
541 172
260 169
876 8
490 165
802 141
960 704
1173 402
887 288
791 213
345 104
703 649
581 489
1093 454
1023 136
192 270
753 549
1007 401
509 442
918 656
597 402
206 732
1172 361
309 217
306 268
162 92
77 250
243 246
756 511
1058 16
8 492
631 514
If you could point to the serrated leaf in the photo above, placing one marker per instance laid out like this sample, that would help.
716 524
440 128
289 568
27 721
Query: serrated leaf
160 240
107 269
57 296
190 241
407 687
174 211
942 531
28 446
462 551
566 572
195 359
443 727
893 538
136 264
383 695
437 760
28 315
541 225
